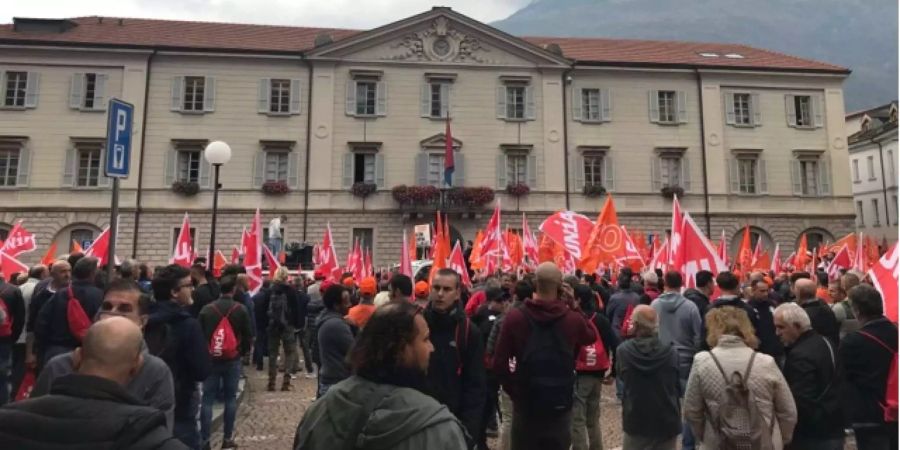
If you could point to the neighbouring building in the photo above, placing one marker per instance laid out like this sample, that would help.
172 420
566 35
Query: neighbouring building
872 143
749 135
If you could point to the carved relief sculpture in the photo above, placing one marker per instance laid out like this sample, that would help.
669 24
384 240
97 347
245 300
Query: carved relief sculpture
440 43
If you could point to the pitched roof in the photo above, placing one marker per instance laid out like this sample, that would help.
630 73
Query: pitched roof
213 36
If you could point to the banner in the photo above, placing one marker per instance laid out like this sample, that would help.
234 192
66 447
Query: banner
183 252
697 253
885 275
457 263
18 241
568 229
606 242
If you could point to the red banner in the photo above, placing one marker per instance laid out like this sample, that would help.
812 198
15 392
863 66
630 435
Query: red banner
18 241
885 275
183 252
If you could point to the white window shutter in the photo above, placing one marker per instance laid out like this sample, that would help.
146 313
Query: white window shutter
421 169
69 168
609 180
729 108
734 175
762 175
529 102
347 178
501 101
425 100
577 102
203 178
655 172
445 99
501 171
24 167
293 176
577 170
653 99
605 105
459 169
295 96
531 171
681 101
32 89
209 94
264 95
100 92
379 170
686 173
177 94
259 169
796 177
171 166
381 98
350 101
818 111
756 110
76 91
790 110
824 177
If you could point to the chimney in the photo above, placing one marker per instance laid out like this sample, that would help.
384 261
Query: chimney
121 22
553 48
322 39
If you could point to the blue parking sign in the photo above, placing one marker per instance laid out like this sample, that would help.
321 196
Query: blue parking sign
118 139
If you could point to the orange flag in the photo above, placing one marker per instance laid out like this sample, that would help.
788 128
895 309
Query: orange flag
412 246
441 249
763 262
545 249
50 256
514 244
745 253
76 247
802 258
475 261
606 242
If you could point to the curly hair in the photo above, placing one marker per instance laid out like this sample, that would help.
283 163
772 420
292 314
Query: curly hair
732 321
380 344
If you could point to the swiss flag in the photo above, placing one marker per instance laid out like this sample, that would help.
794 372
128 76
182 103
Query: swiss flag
235 255
183 252
841 261
18 241
697 253
885 274
458 263
529 244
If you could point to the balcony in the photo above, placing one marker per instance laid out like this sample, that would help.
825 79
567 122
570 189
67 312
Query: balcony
426 199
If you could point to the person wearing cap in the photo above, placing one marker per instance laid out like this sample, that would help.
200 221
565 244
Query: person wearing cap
421 293
359 315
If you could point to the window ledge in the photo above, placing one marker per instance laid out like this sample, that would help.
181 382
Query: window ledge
507 119
743 125
593 121
13 108
12 188
90 110
435 118
193 113
873 179
669 124
803 127
278 114
366 116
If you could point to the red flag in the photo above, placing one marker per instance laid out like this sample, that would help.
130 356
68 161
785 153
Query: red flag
441 250
802 257
606 243
660 257
354 260
529 243
329 265
369 270
405 261
271 261
282 257
676 238
514 249
776 260
884 275
100 248
412 246
76 247
18 241
492 243
569 230
723 248
859 259
631 257
219 262
50 256
744 258
235 255
183 252
457 263
763 262
841 261
10 265
757 253
253 254
697 253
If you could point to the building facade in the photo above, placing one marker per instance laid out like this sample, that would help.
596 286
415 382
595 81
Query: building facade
751 137
872 145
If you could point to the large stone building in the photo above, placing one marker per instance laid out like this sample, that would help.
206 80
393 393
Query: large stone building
872 144
751 136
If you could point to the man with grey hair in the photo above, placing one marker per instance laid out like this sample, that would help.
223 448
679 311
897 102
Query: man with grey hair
810 369
820 315
649 372
60 277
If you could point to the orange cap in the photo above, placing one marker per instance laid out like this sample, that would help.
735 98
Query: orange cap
422 289
368 286
349 282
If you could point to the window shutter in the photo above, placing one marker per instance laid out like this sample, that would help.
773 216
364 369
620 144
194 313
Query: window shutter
295 96
381 96
100 92
578 170
445 99
577 102
501 101
292 166
350 101
203 180
425 100
24 167
531 171
756 110
209 94
177 93
347 178
609 181
762 176
817 110
605 105
76 91
459 169
32 88
655 169
824 177
529 102
796 177
264 95
379 170
686 173
729 108
734 175
69 168
681 101
259 169
790 111
421 169
653 98
171 166
103 180
501 171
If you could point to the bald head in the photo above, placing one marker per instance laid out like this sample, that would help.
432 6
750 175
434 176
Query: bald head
805 289
111 349
547 280
645 321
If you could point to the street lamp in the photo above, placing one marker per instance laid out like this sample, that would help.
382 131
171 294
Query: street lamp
216 153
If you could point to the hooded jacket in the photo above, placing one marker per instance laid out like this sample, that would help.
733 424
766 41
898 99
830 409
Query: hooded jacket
334 338
404 419
649 373
680 325
618 305
700 299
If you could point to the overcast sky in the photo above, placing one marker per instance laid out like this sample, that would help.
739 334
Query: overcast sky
320 13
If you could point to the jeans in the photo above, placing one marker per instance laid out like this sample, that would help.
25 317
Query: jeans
275 245
284 338
876 438
490 412
303 343
541 432
260 349
586 413
225 374
186 422
5 364
506 417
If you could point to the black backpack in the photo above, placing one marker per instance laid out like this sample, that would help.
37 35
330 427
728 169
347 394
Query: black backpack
162 342
277 311
546 371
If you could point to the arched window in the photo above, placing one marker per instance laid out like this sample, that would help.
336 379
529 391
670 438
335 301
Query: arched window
815 237
81 233
756 233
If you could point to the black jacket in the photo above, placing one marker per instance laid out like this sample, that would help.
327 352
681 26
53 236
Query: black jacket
738 303
15 305
261 304
866 364
811 370
239 319
700 299
52 327
649 372
822 318
203 295
765 328
456 373
85 412
38 300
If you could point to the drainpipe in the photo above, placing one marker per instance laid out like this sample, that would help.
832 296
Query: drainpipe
887 206
565 116
140 187
703 153
308 144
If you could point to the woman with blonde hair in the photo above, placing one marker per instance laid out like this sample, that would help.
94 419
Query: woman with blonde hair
767 419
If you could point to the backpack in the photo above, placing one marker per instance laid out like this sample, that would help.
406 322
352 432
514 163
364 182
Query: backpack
6 320
740 425
625 327
889 405
546 371
223 345
593 357
77 318
277 310
162 342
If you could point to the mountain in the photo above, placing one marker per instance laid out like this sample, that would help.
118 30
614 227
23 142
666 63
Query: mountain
858 34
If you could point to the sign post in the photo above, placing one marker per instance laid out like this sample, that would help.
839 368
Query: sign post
118 164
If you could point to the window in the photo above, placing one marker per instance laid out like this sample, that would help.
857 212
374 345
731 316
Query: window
860 214
83 236
363 164
366 94
84 164
90 90
185 163
280 96
88 174
890 159
365 238
9 165
809 177
516 165
276 166
590 105
435 169
593 169
277 162
436 98
189 165
803 111
517 169
515 102
875 215
193 94
15 89
366 98
811 173
364 168
667 108
742 109
194 88
870 165
515 99
747 176
856 171
802 105
670 170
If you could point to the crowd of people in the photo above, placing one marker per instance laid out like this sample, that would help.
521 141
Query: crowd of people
137 360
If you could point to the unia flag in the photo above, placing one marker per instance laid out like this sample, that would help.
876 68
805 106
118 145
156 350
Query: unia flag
183 252
18 241
606 242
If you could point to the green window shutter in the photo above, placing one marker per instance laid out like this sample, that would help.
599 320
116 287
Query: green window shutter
501 102
655 172
796 177
681 102
763 176
69 167
577 102
501 171
350 101
421 169
459 169
824 177
347 178
734 175
609 181
259 169
818 110
445 99
605 105
100 92
577 170
379 170
32 89
171 166
729 108
756 110
686 173
529 102
531 171
381 98
177 94
204 178
292 168
425 100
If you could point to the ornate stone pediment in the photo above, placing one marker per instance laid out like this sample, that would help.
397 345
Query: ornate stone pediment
440 42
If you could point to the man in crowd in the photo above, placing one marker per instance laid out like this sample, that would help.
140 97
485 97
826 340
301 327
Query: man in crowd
544 336
866 355
60 277
92 408
226 368
205 291
811 370
650 374
701 293
359 314
401 288
334 338
278 311
651 287
620 301
765 325
820 314
12 322
19 351
843 312
152 383
176 337
456 373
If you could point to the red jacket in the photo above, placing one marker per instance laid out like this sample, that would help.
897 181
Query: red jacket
516 330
